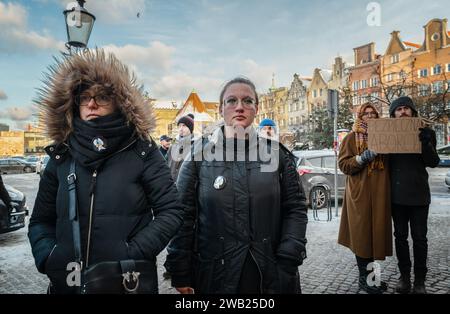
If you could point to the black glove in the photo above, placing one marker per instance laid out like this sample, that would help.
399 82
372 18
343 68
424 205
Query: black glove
425 135
367 156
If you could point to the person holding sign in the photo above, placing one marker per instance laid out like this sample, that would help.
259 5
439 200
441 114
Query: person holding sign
366 227
410 194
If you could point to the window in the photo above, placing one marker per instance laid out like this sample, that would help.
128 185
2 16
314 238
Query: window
423 90
355 85
321 92
437 69
374 96
303 105
329 162
315 162
394 58
423 73
297 106
374 81
297 120
402 75
438 87
291 121
390 77
448 67
364 84
315 93
364 99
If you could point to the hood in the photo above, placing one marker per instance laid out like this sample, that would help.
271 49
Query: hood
71 73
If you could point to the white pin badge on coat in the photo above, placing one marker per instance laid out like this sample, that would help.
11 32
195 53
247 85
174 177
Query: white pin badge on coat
219 182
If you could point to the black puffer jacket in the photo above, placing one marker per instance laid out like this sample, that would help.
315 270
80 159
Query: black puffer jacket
131 209
257 213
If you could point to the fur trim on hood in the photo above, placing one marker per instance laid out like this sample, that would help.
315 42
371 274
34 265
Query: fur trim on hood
65 79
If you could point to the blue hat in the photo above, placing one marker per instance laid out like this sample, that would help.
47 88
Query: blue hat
267 122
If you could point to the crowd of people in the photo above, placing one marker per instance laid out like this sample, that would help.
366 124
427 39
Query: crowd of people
111 199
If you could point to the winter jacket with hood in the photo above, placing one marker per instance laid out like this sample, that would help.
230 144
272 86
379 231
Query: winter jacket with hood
130 210
254 213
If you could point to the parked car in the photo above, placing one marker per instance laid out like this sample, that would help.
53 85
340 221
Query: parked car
444 155
40 167
316 170
11 165
33 159
15 220
447 179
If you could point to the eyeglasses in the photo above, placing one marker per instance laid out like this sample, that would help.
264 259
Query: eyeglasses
247 103
371 113
101 100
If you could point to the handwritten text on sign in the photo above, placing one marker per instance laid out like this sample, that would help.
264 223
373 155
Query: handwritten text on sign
395 136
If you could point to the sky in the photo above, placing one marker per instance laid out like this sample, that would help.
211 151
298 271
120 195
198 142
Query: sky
176 46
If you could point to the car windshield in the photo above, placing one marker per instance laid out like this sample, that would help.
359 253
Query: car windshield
32 159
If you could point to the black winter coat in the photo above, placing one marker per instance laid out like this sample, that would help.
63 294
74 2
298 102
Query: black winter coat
409 177
135 211
258 213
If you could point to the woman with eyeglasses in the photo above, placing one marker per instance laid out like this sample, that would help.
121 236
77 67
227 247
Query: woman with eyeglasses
106 202
244 227
365 227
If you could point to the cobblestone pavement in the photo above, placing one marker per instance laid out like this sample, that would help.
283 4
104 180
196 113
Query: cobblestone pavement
329 268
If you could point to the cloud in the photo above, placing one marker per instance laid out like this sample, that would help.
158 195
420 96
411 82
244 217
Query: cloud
113 11
178 86
15 36
154 57
17 113
3 95
260 75
12 14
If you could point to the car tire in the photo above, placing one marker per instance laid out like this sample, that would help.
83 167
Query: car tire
321 197
27 169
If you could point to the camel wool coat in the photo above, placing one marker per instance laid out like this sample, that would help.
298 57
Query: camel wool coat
366 226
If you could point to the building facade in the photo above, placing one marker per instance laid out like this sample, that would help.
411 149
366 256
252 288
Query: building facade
297 104
364 79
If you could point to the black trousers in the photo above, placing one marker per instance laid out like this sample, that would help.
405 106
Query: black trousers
362 264
416 218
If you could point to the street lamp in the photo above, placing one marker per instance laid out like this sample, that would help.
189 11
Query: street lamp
79 23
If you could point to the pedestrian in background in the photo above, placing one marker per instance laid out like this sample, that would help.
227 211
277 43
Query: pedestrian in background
410 194
365 227
165 142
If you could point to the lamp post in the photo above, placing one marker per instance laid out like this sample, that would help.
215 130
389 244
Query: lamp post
79 23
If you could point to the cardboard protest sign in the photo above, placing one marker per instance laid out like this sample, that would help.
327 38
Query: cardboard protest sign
394 136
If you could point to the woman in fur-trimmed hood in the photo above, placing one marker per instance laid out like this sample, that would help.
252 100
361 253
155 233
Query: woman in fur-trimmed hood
366 227
127 202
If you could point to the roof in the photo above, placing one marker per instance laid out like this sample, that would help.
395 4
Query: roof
326 75
195 102
410 44
166 104
211 105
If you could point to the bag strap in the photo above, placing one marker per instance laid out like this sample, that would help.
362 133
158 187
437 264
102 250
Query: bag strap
73 212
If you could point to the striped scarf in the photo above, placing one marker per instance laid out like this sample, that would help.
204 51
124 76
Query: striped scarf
360 129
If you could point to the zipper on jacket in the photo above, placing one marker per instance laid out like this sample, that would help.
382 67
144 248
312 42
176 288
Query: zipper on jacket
91 207
91 210
259 270
222 240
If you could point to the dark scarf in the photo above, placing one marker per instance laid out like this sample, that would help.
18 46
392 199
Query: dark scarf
91 142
